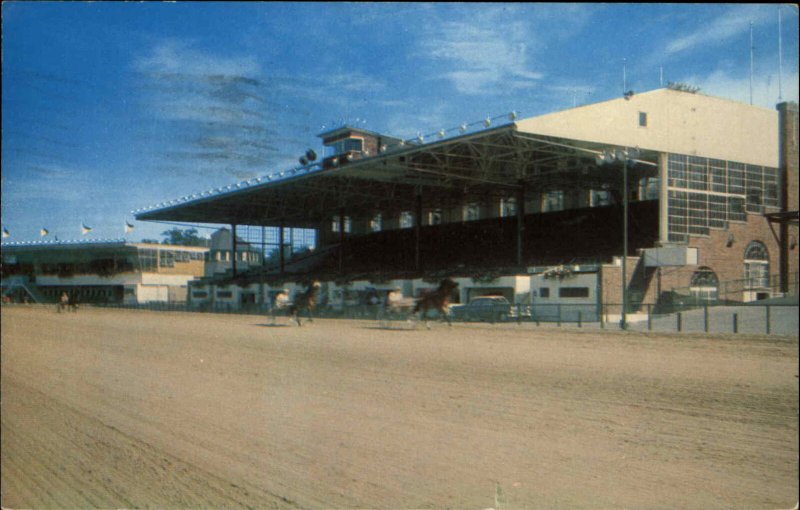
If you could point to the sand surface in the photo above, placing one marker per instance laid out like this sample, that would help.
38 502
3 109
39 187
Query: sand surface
127 409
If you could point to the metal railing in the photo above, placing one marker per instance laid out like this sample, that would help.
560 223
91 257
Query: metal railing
729 318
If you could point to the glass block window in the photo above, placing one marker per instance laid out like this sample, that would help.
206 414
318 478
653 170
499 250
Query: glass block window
708 193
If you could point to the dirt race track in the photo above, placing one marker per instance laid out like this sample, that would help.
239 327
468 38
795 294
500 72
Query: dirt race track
126 409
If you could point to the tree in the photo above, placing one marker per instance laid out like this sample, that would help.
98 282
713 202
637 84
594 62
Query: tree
180 237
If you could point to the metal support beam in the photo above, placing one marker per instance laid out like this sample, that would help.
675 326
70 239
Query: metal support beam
233 248
417 229
281 256
520 221
341 239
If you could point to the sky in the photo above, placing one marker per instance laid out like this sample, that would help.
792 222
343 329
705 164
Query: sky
110 107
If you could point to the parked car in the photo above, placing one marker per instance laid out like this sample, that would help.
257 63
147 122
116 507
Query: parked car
484 308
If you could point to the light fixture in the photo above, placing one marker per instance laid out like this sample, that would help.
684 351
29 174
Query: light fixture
487 122
512 116
729 241
311 155
420 138
441 133
463 128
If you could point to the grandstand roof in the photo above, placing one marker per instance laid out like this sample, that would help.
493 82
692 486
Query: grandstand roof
490 163
88 244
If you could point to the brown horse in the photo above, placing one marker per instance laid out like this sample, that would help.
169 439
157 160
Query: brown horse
305 301
436 300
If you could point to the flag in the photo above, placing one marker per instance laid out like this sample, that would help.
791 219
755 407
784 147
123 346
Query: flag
84 229
6 233
128 228
43 232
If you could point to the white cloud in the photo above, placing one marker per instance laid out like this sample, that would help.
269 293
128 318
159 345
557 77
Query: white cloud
478 56
734 22
177 57
487 50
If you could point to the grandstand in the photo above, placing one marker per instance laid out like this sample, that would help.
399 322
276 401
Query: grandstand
710 186
99 271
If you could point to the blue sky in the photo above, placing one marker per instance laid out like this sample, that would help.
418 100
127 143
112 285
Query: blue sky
111 107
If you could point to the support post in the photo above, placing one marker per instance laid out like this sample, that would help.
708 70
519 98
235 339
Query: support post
233 247
341 240
520 221
281 256
417 230
623 322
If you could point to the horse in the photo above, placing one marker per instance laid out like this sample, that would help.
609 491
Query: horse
280 303
305 301
395 304
63 303
436 300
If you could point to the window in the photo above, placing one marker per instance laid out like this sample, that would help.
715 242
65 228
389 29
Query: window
435 217
345 145
348 223
508 207
599 198
376 223
199 294
472 212
756 265
406 219
573 292
553 201
148 260
224 294
544 292
642 119
704 285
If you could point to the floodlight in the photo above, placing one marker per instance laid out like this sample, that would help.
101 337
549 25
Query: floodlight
441 133
303 160
512 116
487 122
311 155
420 138
463 127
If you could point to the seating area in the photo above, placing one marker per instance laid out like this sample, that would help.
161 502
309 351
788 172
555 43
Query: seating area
594 234
588 235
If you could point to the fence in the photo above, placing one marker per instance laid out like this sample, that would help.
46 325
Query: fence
742 318
729 292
